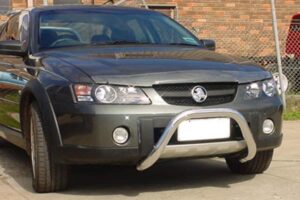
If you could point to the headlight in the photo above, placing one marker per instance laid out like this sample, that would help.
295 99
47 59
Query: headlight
131 95
269 87
107 94
253 90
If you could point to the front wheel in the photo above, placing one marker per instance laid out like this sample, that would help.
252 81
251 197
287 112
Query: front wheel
257 165
47 175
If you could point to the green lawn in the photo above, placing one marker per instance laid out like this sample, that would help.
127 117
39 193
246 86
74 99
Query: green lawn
292 108
6 111
291 115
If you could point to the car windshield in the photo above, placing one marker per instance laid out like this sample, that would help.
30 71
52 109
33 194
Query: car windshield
73 28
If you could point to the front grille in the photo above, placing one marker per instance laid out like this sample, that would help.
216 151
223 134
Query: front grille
180 94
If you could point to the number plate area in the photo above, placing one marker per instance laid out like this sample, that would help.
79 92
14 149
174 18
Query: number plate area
203 129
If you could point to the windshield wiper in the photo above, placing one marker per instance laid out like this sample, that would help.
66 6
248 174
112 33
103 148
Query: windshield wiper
183 44
119 42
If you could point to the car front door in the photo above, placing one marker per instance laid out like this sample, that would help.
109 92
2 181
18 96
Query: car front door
13 76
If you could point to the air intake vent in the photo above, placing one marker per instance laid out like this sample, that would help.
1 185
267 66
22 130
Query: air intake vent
181 94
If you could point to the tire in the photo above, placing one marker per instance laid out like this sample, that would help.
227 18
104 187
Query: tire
257 165
47 176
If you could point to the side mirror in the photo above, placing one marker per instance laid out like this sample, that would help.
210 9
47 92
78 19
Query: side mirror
209 44
11 47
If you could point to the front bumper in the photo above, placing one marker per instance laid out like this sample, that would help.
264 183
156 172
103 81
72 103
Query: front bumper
163 150
86 131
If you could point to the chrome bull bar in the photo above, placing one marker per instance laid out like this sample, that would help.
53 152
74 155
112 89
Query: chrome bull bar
163 150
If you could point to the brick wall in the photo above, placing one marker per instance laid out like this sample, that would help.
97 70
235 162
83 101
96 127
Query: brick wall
18 4
241 27
244 26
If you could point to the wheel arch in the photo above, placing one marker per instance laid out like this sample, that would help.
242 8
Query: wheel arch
34 91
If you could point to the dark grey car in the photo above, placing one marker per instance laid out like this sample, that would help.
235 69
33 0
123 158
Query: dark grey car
111 85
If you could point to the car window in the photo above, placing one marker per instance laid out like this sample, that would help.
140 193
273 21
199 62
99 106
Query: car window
138 32
69 28
24 29
169 35
2 31
13 29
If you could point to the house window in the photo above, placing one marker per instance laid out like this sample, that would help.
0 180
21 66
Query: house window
5 5
169 10
57 2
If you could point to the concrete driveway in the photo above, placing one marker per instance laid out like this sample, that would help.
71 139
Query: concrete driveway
193 179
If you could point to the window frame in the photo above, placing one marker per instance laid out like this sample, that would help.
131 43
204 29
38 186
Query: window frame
160 7
78 2
9 8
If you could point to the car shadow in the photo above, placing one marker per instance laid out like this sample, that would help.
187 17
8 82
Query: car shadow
125 180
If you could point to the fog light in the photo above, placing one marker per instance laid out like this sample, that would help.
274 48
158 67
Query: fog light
268 126
120 135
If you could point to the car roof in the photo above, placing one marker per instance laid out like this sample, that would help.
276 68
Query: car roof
92 7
